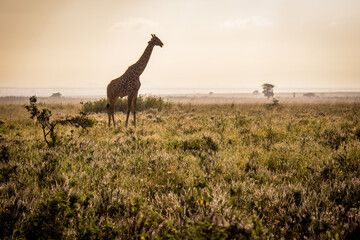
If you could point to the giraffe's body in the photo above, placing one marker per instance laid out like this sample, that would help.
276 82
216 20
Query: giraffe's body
124 85
128 84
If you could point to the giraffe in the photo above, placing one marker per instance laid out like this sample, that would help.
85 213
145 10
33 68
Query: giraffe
128 84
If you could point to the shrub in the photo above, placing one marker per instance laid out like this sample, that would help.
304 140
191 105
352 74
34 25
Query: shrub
270 106
333 138
205 144
357 134
4 154
50 219
48 126
142 104
309 94
11 212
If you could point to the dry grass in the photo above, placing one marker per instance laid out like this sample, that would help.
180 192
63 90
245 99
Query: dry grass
188 172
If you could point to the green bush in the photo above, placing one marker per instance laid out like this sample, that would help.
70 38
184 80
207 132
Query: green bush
50 219
142 104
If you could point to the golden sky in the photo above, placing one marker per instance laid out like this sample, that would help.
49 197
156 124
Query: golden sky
207 43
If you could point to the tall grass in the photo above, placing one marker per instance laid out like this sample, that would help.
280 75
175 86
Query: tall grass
190 172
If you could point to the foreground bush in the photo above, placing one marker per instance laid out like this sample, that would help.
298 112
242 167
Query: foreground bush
48 126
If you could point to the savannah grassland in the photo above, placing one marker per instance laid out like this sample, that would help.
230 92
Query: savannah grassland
233 171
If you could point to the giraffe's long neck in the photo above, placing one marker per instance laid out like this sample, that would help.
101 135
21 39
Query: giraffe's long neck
140 65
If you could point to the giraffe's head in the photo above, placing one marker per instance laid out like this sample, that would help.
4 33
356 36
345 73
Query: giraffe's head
156 41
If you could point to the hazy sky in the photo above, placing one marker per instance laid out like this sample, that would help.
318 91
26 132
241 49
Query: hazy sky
207 43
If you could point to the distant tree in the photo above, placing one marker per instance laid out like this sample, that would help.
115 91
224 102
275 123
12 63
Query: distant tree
56 94
268 90
256 92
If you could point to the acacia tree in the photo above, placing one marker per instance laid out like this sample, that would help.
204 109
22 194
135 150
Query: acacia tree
48 126
268 90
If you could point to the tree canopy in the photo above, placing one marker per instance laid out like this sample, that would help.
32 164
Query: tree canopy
268 90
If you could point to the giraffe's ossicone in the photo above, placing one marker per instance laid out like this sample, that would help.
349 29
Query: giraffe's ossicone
128 84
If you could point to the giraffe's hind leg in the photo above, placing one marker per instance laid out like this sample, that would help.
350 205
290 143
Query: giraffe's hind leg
110 111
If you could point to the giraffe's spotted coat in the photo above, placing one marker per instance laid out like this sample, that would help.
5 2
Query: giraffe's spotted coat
128 84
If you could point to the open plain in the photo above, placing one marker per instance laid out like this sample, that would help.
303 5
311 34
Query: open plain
192 169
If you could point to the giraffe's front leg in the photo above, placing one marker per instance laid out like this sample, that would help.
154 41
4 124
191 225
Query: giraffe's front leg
128 109
134 108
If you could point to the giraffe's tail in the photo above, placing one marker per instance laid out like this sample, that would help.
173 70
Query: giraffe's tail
107 108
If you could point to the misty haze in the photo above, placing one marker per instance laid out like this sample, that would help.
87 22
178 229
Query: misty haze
242 122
